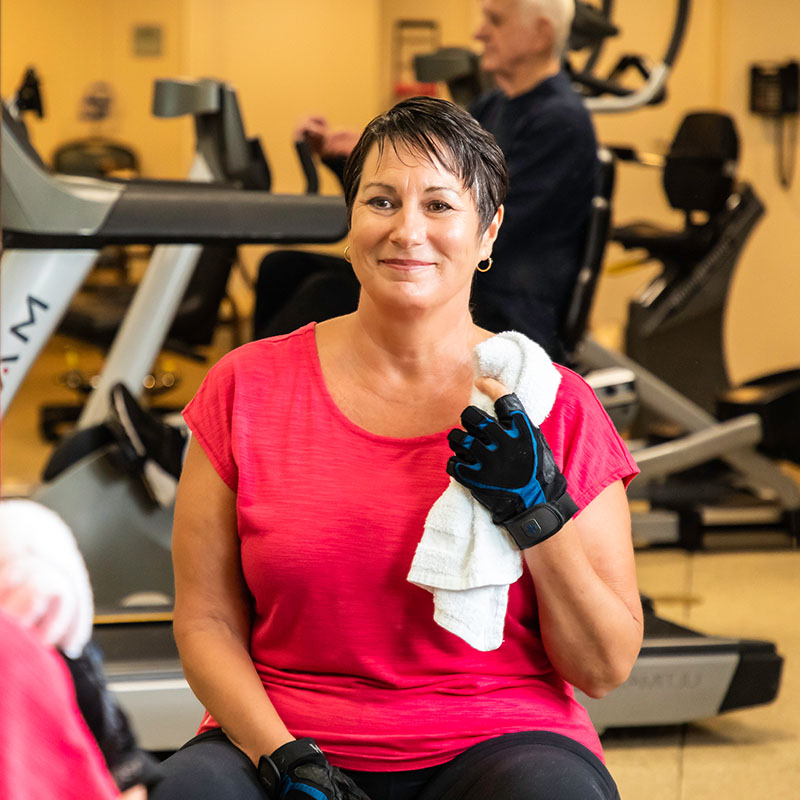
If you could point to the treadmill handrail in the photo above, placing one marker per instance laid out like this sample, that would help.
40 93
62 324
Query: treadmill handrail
34 199
187 212
42 209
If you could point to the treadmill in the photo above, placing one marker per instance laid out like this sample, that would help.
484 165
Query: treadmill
56 224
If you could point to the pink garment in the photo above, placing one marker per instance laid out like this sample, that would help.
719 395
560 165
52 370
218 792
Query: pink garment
46 748
329 519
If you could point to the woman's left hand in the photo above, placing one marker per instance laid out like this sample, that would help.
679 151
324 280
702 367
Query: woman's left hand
508 466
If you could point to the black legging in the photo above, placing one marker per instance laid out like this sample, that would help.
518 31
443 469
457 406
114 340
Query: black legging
535 765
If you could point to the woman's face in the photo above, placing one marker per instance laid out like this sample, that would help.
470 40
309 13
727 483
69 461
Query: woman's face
414 235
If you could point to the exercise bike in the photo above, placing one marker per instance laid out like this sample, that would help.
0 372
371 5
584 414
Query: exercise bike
724 441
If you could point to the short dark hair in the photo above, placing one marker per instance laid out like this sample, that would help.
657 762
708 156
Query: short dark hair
442 131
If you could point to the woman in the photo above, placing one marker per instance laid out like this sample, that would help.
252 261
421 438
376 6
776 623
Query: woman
315 459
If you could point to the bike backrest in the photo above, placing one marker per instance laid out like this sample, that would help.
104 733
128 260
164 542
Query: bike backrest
700 168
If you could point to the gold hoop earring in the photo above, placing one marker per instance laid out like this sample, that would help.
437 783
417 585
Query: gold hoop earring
347 254
485 269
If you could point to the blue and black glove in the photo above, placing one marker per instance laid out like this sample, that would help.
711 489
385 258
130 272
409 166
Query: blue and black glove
299 771
508 466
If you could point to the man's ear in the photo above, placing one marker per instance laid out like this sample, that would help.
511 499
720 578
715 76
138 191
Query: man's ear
543 36
490 234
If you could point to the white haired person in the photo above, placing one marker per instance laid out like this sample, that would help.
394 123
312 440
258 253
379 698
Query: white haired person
547 137
61 733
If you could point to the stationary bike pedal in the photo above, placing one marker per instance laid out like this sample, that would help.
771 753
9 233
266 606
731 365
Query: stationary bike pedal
76 447
124 455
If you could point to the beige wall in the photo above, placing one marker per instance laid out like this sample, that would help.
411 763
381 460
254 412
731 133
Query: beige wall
763 333
290 59
73 43
285 59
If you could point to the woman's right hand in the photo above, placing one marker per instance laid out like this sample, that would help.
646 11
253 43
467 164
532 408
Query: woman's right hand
299 770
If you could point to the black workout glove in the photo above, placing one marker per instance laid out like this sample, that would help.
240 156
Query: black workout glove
299 771
508 466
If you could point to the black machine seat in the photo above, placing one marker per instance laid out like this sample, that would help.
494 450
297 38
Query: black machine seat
698 178
682 310
663 244
700 167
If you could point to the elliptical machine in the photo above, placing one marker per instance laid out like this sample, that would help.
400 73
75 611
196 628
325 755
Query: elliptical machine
674 336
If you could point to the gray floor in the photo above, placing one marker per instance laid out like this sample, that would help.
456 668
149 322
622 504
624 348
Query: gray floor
743 593
753 753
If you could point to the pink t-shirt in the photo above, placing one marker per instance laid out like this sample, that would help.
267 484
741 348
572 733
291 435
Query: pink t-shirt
46 748
329 518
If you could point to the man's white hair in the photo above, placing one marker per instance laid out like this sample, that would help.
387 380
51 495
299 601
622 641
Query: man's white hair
560 13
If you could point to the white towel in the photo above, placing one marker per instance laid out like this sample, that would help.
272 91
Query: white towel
44 584
463 558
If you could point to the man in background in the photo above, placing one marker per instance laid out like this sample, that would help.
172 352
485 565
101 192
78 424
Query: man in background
547 137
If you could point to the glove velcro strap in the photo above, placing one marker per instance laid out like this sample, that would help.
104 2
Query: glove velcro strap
536 524
269 775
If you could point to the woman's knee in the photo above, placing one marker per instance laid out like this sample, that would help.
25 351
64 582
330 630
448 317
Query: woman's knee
524 766
208 769
543 773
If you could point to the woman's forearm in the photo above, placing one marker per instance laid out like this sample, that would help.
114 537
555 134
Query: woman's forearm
212 610
590 628
221 673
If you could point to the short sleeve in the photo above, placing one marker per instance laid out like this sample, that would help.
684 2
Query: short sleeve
584 441
209 416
